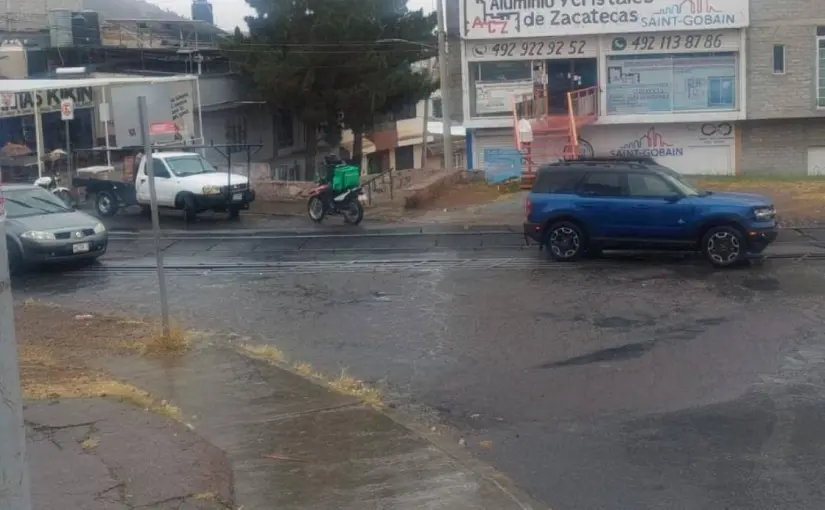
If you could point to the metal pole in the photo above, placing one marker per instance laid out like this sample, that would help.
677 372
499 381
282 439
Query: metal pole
425 136
15 489
447 136
200 116
143 113
68 151
38 136
107 118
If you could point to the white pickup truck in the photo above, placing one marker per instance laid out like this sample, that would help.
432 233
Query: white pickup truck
183 180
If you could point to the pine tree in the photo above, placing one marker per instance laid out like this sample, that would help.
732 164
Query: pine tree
335 63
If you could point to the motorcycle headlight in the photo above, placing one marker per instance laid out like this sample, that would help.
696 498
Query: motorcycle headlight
36 235
211 190
100 228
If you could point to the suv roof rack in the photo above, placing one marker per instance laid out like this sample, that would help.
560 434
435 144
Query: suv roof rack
612 159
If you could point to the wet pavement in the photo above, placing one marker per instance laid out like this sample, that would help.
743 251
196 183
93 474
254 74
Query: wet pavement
631 382
98 454
294 444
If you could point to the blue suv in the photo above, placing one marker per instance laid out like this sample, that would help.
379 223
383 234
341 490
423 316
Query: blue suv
580 207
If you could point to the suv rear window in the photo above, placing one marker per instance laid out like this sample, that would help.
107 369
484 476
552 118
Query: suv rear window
553 180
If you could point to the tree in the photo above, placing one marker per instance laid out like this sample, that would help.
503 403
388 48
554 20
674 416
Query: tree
335 63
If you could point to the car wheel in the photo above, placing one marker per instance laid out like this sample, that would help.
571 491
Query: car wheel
106 204
565 241
146 211
234 212
724 246
190 209
16 263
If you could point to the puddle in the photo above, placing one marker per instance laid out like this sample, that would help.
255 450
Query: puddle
621 353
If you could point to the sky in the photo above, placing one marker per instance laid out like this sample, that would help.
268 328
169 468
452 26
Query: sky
230 13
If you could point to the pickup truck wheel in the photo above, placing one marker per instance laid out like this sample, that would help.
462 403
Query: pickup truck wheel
234 212
190 210
106 204
724 246
565 241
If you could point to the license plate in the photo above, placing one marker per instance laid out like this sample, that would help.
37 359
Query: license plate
237 196
80 248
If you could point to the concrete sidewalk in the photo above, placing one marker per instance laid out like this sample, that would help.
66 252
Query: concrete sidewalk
98 454
294 444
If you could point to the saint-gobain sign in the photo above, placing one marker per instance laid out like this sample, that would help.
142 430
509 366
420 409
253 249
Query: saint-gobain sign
493 19
22 103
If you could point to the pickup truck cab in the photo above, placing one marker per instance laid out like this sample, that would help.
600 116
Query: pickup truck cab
187 181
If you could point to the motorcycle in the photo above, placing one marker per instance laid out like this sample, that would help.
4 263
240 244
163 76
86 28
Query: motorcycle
52 182
348 204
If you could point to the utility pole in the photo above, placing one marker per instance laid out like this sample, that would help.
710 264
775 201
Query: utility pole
15 489
445 102
425 135
143 113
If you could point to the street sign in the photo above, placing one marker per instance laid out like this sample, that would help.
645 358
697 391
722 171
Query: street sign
7 100
67 109
163 128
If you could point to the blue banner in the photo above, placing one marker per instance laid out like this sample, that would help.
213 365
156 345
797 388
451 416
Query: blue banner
502 164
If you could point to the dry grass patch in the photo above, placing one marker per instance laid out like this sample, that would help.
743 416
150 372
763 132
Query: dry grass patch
343 384
55 345
174 343
267 352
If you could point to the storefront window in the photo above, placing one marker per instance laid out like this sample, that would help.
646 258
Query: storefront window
494 84
642 84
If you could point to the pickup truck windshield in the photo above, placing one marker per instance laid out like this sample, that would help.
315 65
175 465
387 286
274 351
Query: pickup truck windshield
184 166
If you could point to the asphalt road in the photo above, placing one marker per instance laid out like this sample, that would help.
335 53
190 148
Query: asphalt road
624 383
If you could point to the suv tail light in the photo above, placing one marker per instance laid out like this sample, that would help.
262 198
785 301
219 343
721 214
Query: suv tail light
528 207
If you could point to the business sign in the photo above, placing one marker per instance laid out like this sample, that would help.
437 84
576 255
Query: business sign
672 42
700 148
16 104
498 97
528 49
502 164
67 109
170 107
163 128
500 19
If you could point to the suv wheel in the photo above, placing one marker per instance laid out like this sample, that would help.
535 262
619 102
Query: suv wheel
724 246
565 241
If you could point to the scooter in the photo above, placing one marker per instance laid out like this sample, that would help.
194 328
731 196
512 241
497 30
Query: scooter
348 204
52 182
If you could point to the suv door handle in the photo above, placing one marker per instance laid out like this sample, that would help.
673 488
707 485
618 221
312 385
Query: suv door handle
143 180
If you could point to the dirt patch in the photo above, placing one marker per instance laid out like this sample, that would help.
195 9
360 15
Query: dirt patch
799 202
56 344
280 207
466 195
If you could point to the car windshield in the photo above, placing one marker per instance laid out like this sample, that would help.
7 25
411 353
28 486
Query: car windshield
677 180
185 166
32 202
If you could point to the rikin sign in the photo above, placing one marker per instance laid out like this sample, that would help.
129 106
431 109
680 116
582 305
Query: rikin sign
16 104
498 19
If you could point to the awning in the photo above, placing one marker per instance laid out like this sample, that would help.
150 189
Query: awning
8 86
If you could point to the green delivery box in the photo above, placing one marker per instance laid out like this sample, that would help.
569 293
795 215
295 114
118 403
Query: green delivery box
345 177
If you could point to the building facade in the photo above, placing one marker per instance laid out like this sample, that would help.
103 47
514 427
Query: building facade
703 86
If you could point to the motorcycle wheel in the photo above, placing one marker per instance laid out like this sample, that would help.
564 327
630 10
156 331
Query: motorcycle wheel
316 209
67 197
354 212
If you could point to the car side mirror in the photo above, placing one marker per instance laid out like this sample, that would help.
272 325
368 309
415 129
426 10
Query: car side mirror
672 199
